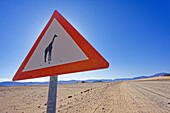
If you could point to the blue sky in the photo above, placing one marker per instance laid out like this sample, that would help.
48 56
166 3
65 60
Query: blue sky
133 35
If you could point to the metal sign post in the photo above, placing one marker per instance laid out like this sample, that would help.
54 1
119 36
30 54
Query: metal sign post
52 94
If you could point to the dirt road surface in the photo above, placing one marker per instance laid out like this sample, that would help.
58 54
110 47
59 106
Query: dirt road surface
113 97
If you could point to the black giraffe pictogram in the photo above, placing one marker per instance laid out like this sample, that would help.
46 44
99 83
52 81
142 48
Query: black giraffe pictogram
49 49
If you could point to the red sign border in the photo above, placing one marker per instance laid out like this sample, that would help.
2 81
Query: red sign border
95 61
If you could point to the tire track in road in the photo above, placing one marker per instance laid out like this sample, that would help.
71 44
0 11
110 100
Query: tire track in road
102 94
153 91
94 97
160 98
141 100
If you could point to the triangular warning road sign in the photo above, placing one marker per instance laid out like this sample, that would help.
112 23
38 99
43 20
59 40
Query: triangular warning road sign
60 49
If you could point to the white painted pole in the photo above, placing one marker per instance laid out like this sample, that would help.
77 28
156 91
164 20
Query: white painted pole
52 94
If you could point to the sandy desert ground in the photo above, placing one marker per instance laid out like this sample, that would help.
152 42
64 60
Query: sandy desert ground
143 96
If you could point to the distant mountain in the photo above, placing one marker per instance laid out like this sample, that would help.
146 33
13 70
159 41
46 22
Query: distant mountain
141 77
167 75
10 83
97 81
69 81
155 75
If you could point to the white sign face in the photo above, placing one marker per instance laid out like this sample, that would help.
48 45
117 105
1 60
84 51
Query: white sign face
55 48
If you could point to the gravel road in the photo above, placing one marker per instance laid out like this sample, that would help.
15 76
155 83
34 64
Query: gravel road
112 97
